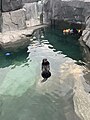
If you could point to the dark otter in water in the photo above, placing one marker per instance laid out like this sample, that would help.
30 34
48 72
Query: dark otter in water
45 69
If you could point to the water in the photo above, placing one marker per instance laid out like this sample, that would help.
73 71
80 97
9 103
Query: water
22 95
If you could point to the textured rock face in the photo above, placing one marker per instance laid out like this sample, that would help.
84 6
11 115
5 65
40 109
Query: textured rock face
14 20
0 16
61 10
29 1
0 21
86 32
32 13
76 3
52 9
10 5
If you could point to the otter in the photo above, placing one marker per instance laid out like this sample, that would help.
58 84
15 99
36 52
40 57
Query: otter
45 69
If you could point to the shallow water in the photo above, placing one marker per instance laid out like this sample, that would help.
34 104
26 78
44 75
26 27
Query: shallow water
22 95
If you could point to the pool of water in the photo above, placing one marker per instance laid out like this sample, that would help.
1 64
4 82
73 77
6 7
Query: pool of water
22 95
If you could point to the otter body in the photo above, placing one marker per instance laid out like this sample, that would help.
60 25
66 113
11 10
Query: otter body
45 69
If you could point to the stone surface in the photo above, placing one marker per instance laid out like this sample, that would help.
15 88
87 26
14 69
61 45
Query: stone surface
0 5
86 35
32 14
29 1
88 40
0 16
52 9
14 20
88 22
86 32
64 10
10 5
17 39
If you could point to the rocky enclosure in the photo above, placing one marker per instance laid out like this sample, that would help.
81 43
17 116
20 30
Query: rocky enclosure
17 18
21 14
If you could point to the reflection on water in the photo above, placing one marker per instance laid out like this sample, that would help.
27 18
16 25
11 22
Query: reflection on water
23 96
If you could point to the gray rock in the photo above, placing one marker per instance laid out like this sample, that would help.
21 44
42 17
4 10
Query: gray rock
86 36
0 5
52 9
16 39
88 41
86 32
14 20
29 1
10 5
64 10
32 12
76 3
88 22
0 21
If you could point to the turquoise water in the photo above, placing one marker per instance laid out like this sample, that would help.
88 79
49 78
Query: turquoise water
22 95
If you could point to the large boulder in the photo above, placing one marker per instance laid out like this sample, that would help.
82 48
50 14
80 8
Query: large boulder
14 20
10 5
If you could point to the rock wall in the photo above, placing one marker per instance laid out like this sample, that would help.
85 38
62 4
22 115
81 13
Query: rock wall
32 12
13 16
13 20
86 32
19 14
0 16
64 10
10 5
29 1
35 12
51 9
0 21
